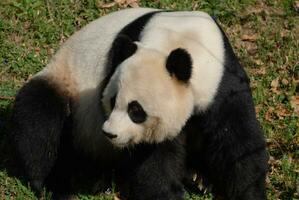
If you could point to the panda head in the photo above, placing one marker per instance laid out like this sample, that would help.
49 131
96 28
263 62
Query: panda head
148 98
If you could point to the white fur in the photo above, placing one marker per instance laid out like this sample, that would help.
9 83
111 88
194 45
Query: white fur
78 67
168 103
84 54
143 77
95 41
200 36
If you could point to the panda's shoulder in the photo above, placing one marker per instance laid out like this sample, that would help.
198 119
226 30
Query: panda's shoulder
179 20
88 48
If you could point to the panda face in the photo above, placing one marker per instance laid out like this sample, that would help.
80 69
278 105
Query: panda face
150 100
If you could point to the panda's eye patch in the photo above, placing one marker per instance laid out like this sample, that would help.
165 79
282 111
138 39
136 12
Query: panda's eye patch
136 112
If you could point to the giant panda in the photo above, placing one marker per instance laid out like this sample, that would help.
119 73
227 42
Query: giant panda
150 95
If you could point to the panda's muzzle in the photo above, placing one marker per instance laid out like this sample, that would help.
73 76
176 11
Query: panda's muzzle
109 135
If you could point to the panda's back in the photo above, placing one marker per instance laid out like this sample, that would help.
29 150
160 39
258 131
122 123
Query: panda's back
80 66
85 53
198 33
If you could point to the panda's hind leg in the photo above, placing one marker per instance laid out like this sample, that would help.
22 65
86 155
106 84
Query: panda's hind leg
39 113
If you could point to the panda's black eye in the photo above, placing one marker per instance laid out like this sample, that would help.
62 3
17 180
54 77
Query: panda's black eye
136 112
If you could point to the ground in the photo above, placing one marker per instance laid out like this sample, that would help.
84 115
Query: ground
264 34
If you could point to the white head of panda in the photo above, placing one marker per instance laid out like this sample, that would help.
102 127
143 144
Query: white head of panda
149 95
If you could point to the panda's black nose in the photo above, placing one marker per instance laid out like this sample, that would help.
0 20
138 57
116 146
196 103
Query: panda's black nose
109 135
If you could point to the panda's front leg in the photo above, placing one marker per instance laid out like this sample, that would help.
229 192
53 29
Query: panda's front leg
231 158
154 171
228 178
38 117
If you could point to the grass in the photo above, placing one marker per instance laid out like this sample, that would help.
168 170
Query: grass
264 34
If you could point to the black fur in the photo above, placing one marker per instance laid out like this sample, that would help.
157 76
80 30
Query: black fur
42 128
74 172
112 102
136 112
38 116
225 144
123 46
154 171
179 64
134 29
42 133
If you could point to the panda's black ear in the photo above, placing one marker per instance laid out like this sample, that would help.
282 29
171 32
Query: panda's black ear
122 48
179 64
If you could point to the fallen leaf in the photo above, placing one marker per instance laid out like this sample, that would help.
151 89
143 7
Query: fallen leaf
50 51
252 10
27 25
296 6
274 163
62 39
37 49
126 3
284 33
261 71
274 86
195 5
120 1
258 71
281 112
271 160
107 5
6 98
258 108
284 81
295 81
250 38
250 47
253 84
295 104
269 114
16 38
259 62
133 3
281 126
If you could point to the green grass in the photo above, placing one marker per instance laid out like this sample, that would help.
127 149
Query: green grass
32 30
